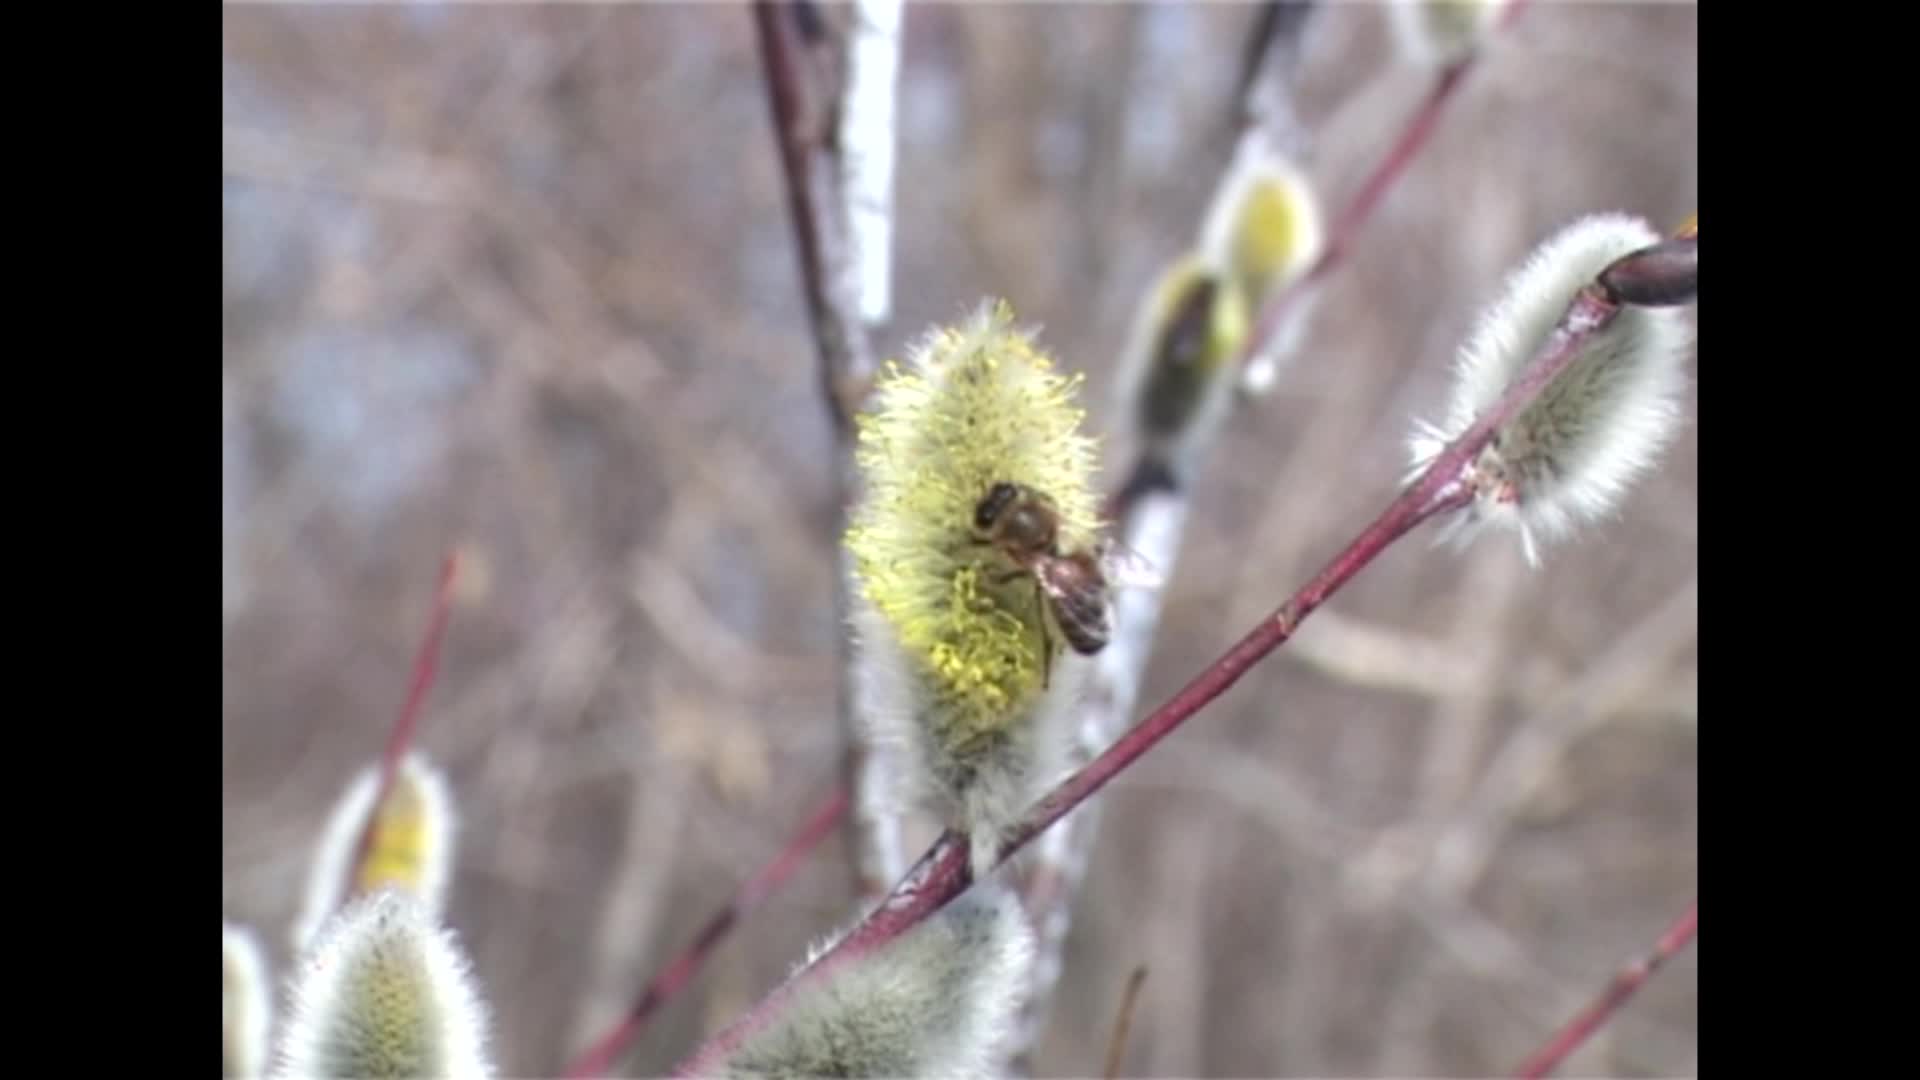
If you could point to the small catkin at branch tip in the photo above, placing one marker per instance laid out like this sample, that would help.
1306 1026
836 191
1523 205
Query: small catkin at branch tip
410 848
246 1004
385 991
1572 454
1265 230
1443 32
936 1001
960 662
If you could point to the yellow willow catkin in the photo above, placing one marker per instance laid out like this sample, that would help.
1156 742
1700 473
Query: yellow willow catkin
962 666
411 847
1264 231
402 846
1176 375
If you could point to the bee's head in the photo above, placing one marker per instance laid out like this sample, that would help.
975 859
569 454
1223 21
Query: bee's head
998 498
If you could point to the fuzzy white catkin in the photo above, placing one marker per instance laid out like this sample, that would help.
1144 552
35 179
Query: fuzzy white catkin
937 1001
1573 453
385 991
246 1003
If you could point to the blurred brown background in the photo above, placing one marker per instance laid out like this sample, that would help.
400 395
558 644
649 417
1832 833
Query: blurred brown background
521 281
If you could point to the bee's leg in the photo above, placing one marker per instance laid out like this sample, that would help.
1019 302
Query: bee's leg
1046 639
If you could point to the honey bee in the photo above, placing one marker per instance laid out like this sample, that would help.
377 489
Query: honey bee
1074 586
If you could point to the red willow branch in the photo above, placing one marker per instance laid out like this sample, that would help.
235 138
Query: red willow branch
1446 485
426 665
802 118
596 1060
1624 985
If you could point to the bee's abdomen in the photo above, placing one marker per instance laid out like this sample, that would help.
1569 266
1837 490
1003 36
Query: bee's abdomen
1082 615
1086 638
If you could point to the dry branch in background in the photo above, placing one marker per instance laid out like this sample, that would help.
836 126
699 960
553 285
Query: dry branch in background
843 273
1123 1021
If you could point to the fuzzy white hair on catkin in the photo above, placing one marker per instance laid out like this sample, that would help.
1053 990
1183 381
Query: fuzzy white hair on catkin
248 1001
1018 774
937 1001
1575 452
331 865
980 330
385 990
984 796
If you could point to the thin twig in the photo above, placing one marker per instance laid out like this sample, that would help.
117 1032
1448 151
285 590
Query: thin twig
1117 1045
425 665
609 1048
1624 985
944 872
808 159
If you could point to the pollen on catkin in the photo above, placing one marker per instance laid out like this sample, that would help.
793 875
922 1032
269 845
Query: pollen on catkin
412 846
937 1001
1442 32
1264 230
385 991
949 634
1572 454
246 1004
1175 375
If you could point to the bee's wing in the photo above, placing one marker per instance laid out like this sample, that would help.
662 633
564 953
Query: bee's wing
1128 569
